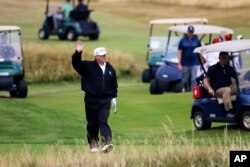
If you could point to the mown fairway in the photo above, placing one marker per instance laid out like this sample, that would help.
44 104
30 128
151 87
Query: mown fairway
55 112
48 127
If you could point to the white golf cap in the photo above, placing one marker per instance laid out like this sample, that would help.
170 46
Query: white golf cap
100 51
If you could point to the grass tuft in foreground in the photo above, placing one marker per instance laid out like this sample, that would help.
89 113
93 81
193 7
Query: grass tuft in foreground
167 152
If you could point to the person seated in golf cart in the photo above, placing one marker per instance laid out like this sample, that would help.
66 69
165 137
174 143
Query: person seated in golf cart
81 12
7 52
81 6
57 17
220 81
66 9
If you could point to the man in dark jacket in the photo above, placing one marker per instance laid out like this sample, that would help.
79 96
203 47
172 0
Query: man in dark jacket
99 82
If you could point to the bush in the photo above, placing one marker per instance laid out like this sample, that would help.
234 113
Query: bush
44 63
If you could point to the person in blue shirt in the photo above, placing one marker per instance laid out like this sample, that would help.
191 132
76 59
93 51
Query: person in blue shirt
188 61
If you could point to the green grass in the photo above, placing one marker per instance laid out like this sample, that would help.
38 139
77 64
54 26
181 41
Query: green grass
49 127
55 112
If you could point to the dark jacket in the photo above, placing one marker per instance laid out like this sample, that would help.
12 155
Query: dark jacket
93 81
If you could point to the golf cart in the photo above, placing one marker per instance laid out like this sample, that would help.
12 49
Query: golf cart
168 77
157 42
11 62
79 24
207 109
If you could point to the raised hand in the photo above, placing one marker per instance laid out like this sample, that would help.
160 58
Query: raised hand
79 46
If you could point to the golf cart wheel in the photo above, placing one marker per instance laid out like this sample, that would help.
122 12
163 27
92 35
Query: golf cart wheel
154 87
43 34
246 120
145 76
13 93
200 122
22 89
72 35
94 37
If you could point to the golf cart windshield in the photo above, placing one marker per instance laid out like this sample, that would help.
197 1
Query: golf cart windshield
158 37
240 58
10 44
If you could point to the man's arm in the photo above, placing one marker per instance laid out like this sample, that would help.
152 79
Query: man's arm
179 54
208 86
76 58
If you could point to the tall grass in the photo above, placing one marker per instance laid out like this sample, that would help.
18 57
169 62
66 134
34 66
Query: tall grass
201 3
44 63
171 151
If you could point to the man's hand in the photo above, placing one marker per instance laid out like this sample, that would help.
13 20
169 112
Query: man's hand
211 91
113 104
180 68
79 46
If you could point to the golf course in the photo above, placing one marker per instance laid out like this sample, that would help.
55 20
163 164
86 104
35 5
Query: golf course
48 128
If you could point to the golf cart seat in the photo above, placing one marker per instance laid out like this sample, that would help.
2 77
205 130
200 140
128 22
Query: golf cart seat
50 23
220 100
79 15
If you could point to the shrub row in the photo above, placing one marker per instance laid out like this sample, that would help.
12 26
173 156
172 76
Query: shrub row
48 64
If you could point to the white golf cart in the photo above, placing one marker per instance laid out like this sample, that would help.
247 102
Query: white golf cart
157 42
168 77
207 109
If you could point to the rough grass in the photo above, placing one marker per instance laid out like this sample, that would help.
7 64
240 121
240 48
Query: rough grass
165 153
197 149
44 63
232 17
201 3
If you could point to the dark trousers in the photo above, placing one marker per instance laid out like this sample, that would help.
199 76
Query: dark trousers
97 113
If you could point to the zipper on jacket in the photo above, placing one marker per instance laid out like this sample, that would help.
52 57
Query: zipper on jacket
103 83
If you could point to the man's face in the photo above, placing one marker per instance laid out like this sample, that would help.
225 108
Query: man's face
224 59
190 34
100 58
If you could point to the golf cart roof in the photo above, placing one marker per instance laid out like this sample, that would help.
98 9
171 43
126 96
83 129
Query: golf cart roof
9 28
178 21
227 46
202 29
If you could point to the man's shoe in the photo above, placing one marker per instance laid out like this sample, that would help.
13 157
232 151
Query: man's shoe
94 150
230 115
107 148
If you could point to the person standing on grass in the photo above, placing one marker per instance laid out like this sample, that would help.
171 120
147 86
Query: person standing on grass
188 61
99 82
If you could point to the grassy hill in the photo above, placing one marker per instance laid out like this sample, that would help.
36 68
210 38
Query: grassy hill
48 127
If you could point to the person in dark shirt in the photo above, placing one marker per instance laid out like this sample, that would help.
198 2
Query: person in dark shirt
99 82
81 6
220 80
